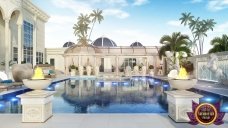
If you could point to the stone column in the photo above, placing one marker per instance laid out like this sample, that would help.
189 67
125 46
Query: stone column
34 41
36 108
19 35
155 64
179 103
7 49
117 62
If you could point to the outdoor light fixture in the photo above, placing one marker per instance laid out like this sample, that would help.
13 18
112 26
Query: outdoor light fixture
208 99
13 99
165 85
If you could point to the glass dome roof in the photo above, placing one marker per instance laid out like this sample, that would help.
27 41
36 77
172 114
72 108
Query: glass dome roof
104 42
136 44
68 44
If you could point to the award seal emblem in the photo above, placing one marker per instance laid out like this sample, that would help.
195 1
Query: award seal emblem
205 114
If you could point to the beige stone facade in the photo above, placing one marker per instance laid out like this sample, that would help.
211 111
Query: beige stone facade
22 29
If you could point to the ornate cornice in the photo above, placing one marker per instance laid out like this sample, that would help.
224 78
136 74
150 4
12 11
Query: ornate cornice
27 4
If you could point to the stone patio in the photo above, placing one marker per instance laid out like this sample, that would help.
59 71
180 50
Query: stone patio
102 121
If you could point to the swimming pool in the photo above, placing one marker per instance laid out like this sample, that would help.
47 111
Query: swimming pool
128 95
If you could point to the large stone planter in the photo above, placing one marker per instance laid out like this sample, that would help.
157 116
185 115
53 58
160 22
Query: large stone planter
22 71
182 84
73 72
96 71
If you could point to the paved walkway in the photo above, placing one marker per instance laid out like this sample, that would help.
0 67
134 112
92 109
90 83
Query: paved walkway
102 121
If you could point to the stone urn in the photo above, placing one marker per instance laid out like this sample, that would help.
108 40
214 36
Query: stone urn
81 70
151 72
22 71
88 70
182 84
96 71
143 70
73 72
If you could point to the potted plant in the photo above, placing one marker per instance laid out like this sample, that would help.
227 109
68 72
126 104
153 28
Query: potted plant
151 70
73 70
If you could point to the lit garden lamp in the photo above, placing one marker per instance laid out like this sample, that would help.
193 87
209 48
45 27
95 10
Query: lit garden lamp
37 83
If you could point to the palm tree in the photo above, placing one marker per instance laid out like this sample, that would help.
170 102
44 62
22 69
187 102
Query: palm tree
96 16
175 43
186 17
83 19
219 44
198 28
83 40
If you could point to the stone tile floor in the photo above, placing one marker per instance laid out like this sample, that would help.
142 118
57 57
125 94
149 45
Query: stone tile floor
102 121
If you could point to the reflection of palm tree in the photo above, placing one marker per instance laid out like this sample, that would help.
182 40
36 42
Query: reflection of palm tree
219 44
96 15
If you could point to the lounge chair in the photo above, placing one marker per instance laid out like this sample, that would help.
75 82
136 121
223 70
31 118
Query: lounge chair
6 84
9 85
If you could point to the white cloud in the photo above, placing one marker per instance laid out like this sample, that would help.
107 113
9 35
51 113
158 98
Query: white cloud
61 19
75 6
140 2
216 5
175 23
222 28
132 35
116 12
111 2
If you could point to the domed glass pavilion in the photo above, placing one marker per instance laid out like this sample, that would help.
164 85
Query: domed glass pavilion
68 44
104 42
136 44
110 58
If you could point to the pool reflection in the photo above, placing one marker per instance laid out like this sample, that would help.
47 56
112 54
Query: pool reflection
129 96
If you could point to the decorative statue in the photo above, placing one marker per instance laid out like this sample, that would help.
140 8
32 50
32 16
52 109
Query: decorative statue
143 70
81 70
212 65
88 70
128 71
136 70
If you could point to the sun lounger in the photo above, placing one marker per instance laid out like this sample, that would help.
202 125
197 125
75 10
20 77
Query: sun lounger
7 86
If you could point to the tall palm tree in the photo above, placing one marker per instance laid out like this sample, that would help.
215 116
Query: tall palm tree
83 40
186 17
96 16
219 44
198 28
175 43
83 19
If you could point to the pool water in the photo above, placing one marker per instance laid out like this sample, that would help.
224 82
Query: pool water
132 95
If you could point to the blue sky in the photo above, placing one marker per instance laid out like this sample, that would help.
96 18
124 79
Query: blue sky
127 21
